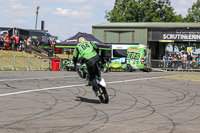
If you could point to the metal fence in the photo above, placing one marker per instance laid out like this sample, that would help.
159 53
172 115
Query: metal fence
23 63
8 62
175 65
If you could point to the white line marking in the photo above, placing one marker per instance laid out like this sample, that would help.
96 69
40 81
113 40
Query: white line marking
37 90
123 81
37 78
61 87
18 79
125 73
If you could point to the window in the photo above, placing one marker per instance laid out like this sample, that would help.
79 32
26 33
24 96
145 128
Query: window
119 52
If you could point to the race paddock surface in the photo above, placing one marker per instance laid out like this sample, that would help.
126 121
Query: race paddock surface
59 102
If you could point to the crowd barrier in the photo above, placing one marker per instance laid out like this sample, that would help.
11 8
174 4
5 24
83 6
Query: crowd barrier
8 62
176 65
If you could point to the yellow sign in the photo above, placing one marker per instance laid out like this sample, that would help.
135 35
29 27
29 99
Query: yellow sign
166 40
189 49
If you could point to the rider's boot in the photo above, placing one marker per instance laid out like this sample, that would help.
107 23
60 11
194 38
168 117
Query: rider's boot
98 79
96 91
95 87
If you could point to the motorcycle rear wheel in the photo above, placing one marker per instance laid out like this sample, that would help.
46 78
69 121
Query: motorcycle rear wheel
104 95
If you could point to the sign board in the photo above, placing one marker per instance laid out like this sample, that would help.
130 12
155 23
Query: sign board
174 34
121 60
166 40
189 49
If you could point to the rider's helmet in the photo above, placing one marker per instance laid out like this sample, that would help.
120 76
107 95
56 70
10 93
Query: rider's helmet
80 39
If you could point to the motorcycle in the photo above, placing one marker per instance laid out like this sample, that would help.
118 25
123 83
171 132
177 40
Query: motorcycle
83 73
106 67
68 65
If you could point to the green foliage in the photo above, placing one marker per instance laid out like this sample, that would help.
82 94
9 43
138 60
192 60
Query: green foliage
193 13
150 11
142 11
183 46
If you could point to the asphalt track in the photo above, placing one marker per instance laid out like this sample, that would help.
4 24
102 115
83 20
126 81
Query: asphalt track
59 102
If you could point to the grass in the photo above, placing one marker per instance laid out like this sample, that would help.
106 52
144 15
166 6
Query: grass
14 53
64 56
22 60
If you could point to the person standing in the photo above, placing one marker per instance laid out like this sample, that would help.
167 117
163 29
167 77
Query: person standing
170 58
29 43
17 42
36 42
7 41
189 60
21 43
175 62
179 61
198 61
183 62
53 44
165 61
25 44
1 40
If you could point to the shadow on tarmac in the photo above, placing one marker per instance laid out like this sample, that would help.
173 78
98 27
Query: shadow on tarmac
82 99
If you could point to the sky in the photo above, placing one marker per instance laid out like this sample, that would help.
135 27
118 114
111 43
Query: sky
64 18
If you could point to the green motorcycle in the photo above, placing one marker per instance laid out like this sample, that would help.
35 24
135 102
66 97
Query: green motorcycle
68 65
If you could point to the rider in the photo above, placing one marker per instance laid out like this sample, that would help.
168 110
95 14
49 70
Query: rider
87 51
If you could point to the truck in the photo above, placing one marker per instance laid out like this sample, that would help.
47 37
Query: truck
43 36
130 57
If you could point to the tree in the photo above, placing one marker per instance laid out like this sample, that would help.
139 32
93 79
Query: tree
194 16
193 13
142 11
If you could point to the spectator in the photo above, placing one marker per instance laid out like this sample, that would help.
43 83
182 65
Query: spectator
183 62
198 59
25 44
189 61
184 54
17 42
165 61
194 64
7 41
179 61
12 42
21 44
36 42
53 43
170 58
15 39
1 40
175 62
29 43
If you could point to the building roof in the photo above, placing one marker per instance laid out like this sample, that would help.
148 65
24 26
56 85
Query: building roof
146 24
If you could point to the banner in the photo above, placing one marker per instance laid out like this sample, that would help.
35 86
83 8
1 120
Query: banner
174 34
